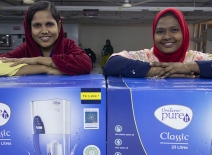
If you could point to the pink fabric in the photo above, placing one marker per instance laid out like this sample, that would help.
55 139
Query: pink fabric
179 55
67 56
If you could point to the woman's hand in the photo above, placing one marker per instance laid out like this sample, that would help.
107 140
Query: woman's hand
54 71
183 76
176 69
46 61
17 61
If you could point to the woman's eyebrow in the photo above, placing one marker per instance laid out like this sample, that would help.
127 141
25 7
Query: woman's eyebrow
35 22
159 27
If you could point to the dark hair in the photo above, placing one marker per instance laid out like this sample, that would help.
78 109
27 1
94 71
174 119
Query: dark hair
108 41
42 5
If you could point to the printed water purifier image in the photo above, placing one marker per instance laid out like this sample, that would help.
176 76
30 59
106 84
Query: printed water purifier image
51 124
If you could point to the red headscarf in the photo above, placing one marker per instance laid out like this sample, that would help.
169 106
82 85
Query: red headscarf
179 54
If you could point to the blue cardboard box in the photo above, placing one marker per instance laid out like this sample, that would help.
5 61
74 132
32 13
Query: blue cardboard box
53 115
150 116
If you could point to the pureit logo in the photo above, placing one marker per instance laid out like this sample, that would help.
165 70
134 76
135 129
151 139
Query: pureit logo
174 116
4 113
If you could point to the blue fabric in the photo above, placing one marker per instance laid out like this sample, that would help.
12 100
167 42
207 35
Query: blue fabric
126 67
49 55
205 68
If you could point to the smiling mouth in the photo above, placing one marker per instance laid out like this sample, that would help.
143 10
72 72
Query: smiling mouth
168 45
45 38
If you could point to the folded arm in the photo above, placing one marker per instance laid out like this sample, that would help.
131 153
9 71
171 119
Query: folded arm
37 69
70 64
24 69
205 68
46 61
121 66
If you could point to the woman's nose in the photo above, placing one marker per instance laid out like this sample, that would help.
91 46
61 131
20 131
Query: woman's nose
167 35
44 30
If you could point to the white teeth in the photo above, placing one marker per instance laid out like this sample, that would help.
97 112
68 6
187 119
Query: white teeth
168 44
45 38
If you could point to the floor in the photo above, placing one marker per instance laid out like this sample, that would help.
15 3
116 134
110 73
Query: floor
96 69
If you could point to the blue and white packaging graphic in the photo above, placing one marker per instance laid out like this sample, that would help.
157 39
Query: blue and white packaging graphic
159 116
53 115
51 128
5 113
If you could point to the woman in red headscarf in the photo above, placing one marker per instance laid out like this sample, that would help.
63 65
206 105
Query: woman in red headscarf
169 56
45 49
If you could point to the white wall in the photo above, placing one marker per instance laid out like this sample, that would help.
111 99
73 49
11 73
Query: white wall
209 46
72 31
122 37
192 45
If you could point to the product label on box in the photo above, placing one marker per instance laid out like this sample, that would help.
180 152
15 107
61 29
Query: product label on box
91 150
5 113
174 116
5 135
162 122
91 118
90 96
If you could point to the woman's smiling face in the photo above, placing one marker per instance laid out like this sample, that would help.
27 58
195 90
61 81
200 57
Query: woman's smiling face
44 29
168 35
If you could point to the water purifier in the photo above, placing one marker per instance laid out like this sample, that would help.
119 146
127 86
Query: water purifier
51 124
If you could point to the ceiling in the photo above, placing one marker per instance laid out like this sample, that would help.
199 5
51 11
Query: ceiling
111 11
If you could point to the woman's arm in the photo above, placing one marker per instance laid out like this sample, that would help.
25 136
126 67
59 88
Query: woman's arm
24 69
73 61
205 68
176 69
73 65
46 61
121 66
37 69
